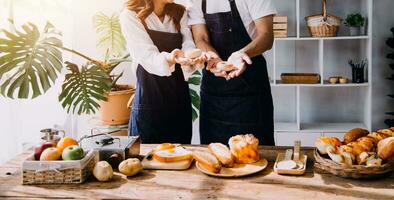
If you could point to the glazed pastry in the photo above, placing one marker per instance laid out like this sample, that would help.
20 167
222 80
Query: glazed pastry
244 148
354 134
207 160
222 153
323 142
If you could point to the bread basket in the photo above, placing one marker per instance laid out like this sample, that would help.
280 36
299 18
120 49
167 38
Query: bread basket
354 171
323 25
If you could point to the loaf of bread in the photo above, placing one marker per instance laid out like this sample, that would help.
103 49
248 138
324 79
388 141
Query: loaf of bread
244 148
354 134
323 142
386 149
207 160
172 155
222 153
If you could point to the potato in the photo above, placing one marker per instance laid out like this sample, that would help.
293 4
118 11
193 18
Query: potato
103 171
130 167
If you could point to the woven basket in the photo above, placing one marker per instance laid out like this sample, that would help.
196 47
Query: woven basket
323 25
354 171
58 172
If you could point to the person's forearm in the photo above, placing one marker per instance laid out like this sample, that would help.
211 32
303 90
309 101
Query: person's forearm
205 46
259 45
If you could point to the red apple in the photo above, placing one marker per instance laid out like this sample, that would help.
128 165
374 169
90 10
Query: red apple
40 148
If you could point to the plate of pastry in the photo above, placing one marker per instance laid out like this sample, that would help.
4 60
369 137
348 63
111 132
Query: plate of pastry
241 159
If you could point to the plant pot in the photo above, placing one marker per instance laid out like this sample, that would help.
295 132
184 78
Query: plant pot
115 110
355 31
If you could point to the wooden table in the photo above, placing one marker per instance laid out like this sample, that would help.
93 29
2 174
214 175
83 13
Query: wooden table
191 184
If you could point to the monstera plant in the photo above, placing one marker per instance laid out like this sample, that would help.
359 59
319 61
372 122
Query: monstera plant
32 60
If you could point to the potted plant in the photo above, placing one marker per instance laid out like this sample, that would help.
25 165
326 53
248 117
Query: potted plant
354 22
390 43
31 61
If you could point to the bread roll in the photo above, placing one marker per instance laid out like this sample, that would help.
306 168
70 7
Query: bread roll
207 160
172 155
244 148
389 131
323 142
386 149
222 153
224 66
354 134
195 53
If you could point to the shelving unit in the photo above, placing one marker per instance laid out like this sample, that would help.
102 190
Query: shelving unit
308 111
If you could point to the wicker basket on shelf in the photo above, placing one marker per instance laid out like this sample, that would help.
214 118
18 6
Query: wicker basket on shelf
58 172
354 171
323 25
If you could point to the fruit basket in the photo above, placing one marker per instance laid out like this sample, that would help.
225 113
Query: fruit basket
354 171
58 172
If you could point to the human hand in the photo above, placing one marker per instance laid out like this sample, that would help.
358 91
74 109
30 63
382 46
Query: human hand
174 56
239 60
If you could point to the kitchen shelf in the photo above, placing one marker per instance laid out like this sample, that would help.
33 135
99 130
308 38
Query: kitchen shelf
330 127
307 111
325 84
317 127
363 37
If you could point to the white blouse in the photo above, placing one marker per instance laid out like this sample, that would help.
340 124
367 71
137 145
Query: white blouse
141 47
249 11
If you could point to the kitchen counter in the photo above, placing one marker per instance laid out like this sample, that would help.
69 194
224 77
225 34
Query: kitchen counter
191 184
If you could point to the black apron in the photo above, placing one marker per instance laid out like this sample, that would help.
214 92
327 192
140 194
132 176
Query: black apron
162 109
243 104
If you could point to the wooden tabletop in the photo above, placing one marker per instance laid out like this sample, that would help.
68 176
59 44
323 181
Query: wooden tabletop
191 184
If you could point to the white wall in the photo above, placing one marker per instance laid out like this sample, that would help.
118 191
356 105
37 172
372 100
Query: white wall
20 121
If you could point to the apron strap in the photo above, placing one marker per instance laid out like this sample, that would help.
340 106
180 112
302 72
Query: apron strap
204 6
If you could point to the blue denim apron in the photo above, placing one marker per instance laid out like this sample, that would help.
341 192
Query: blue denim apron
161 110
243 104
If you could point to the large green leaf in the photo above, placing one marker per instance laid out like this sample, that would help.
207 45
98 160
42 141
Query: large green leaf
84 88
111 38
30 61
195 80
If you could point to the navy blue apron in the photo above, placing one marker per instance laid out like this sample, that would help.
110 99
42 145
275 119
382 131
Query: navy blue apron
161 110
243 104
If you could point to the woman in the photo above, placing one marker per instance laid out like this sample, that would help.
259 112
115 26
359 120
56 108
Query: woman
155 31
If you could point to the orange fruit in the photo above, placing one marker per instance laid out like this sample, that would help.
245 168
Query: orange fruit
50 153
65 142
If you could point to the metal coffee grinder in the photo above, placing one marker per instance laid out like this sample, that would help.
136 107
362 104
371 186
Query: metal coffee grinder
110 148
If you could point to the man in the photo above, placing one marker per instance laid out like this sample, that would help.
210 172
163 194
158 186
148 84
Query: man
240 101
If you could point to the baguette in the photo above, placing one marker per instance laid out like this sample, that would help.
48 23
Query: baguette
222 153
207 160
172 155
